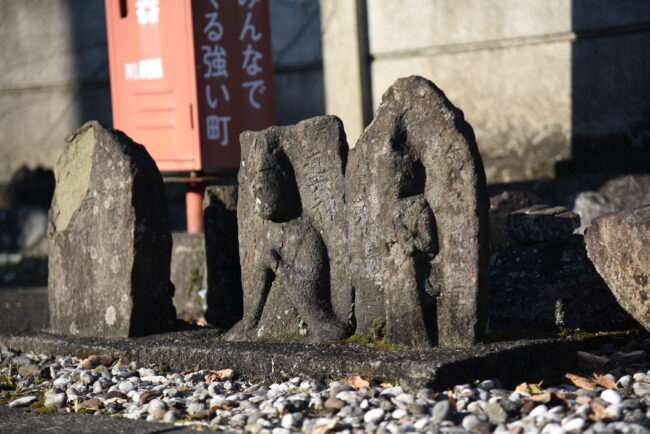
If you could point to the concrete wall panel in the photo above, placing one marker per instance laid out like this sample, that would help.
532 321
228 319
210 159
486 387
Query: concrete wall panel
517 99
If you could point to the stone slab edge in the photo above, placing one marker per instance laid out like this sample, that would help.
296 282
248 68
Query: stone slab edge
511 362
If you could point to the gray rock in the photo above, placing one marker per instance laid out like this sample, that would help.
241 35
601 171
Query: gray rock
418 221
628 191
551 286
540 223
224 296
589 205
442 410
109 237
292 240
187 274
619 246
34 371
495 413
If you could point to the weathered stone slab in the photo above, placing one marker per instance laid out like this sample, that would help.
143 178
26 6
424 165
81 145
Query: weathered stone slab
418 221
511 362
224 296
541 223
619 246
292 238
110 244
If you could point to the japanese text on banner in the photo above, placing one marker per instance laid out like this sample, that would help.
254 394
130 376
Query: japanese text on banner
254 84
215 60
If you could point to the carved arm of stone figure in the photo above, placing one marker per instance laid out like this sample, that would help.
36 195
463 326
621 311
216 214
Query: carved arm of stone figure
414 244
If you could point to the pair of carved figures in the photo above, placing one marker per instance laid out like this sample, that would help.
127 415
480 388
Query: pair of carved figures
333 241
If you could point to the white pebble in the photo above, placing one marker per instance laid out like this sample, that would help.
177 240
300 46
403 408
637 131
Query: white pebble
421 424
538 411
374 416
574 424
126 387
398 414
22 402
288 421
553 428
611 396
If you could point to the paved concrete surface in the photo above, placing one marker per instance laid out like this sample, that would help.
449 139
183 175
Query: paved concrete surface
512 362
23 309
15 420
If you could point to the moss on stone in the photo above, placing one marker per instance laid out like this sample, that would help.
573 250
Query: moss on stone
378 328
376 340
44 410
72 174
86 411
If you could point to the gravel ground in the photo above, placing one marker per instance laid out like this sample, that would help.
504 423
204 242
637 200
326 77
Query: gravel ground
610 395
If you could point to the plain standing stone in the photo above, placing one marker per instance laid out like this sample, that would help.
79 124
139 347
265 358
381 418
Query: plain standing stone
418 221
110 244
619 246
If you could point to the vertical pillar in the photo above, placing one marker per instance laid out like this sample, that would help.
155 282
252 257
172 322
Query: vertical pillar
194 207
345 64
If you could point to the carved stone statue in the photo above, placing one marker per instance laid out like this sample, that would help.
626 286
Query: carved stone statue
292 233
418 216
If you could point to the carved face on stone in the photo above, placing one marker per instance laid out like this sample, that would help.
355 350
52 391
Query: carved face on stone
273 183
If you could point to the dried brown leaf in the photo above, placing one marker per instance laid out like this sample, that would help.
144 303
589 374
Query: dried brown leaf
225 374
605 381
358 382
452 398
541 397
211 378
581 382
189 371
